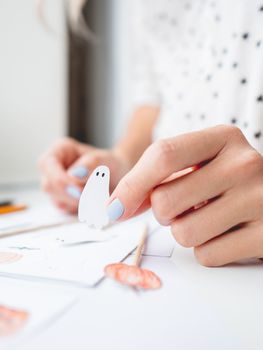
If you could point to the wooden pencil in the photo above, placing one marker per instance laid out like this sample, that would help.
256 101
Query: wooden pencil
8 209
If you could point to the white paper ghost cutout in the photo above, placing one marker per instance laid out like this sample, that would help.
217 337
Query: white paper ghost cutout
92 203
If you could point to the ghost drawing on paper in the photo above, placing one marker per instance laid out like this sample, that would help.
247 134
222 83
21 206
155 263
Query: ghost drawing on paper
92 204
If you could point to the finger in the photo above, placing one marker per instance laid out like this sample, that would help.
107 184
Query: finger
92 160
243 243
54 170
72 209
45 185
145 206
67 197
66 203
80 172
61 156
67 151
85 165
181 173
59 204
164 158
211 220
67 194
57 177
175 197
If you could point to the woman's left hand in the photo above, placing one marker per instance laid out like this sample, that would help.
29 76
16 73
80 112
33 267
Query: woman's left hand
216 209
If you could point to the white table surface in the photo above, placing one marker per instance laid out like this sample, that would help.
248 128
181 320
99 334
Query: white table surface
197 308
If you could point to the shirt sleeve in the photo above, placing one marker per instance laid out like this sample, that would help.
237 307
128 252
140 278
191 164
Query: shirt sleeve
144 87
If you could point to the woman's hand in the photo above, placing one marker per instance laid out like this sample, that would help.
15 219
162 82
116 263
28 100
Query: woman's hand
66 166
217 209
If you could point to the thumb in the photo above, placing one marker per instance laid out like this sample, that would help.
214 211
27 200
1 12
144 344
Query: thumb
136 186
160 161
128 199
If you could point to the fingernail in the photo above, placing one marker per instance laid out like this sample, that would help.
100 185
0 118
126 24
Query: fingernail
115 210
79 171
73 192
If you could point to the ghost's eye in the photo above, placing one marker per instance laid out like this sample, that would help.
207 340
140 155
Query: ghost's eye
97 173
103 174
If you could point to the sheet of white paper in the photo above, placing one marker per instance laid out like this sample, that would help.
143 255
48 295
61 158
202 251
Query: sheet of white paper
78 233
160 243
23 297
32 218
92 203
82 264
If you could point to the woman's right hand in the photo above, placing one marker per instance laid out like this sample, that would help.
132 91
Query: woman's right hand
65 168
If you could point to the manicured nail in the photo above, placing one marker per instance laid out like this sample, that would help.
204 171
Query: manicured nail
115 210
79 171
73 192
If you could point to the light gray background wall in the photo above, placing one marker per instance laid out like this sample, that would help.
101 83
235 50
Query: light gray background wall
33 82
32 86
122 60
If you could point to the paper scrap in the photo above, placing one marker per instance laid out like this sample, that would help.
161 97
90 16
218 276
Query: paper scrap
78 233
33 219
92 205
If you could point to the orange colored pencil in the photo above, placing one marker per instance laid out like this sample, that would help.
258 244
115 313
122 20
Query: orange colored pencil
12 208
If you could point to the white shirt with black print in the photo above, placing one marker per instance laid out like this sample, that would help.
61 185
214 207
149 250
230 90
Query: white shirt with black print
201 61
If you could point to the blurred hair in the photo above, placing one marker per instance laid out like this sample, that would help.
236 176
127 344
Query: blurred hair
76 19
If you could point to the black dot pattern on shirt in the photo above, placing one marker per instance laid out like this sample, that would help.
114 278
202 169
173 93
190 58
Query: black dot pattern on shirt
220 56
245 36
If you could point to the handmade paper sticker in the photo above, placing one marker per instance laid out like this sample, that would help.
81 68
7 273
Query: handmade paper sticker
92 205
11 320
133 276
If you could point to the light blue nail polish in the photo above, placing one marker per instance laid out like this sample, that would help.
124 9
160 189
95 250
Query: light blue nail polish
79 171
115 210
73 192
